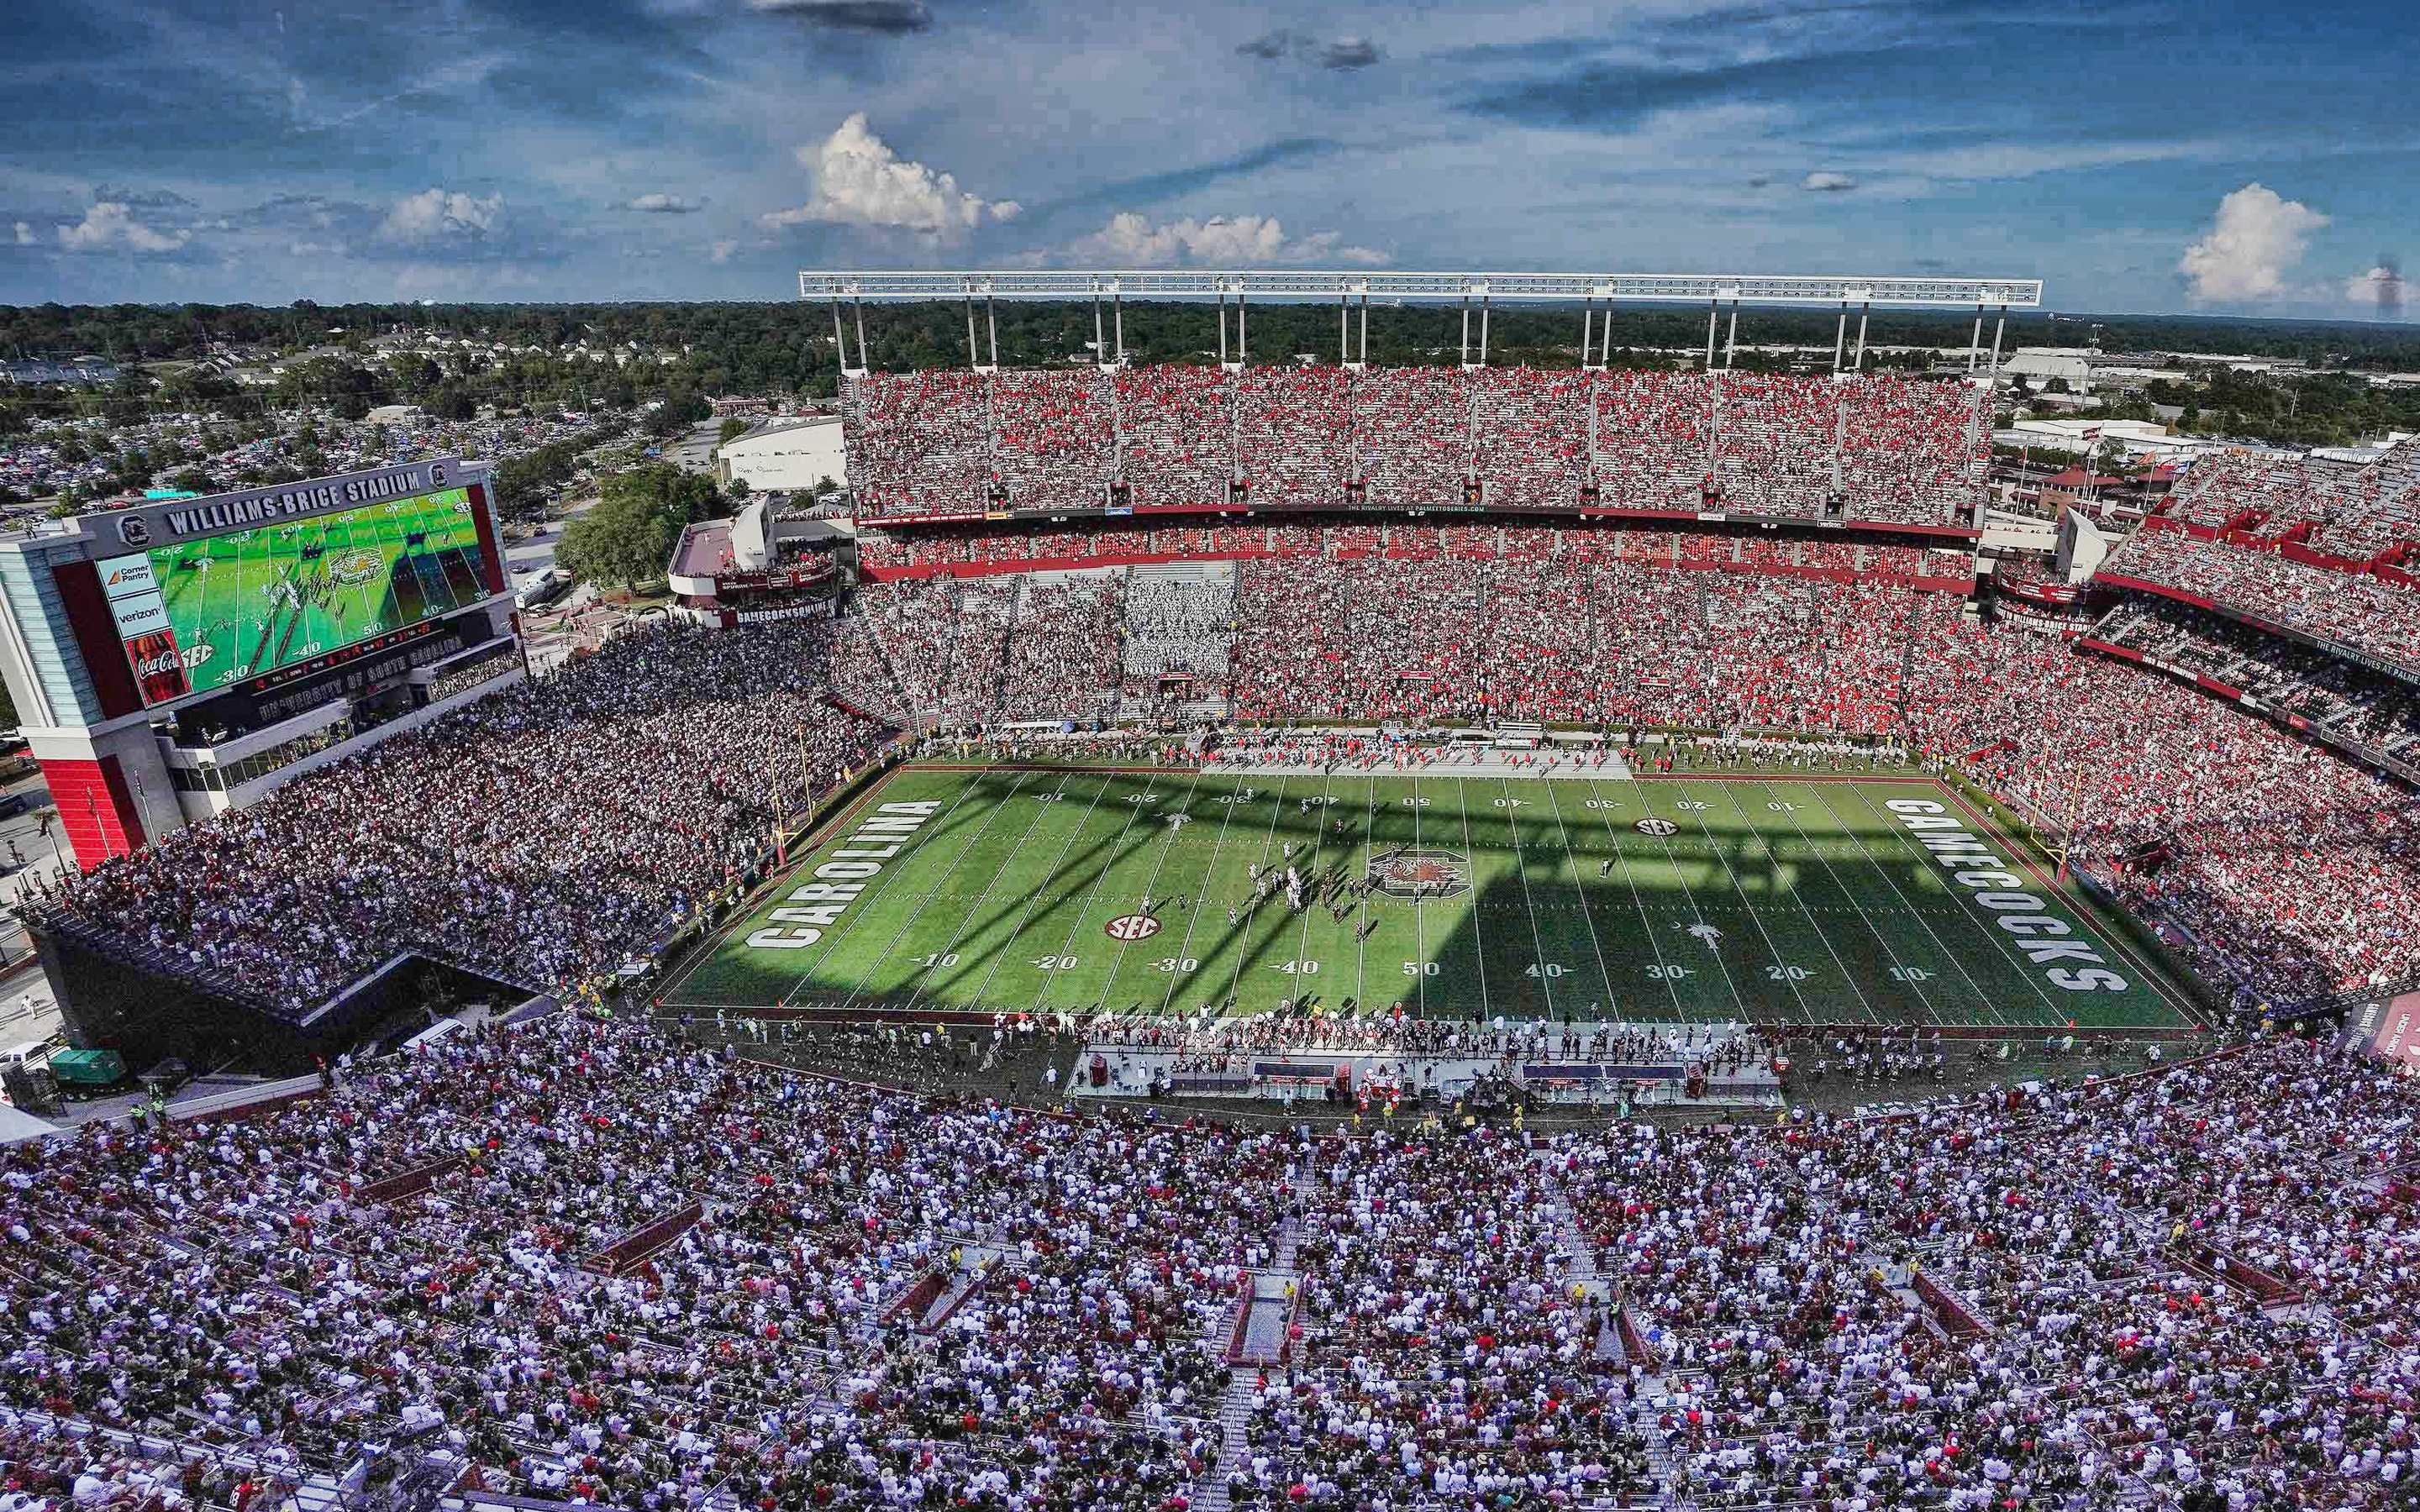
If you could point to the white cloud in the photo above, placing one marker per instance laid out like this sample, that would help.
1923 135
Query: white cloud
665 205
25 235
109 224
1828 183
860 181
2253 244
2381 287
721 252
315 249
1228 241
436 214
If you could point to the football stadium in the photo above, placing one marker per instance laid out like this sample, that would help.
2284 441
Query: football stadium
1251 935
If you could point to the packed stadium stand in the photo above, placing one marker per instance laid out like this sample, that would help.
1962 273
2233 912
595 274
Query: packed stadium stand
1859 447
1363 622
2376 613
603 1265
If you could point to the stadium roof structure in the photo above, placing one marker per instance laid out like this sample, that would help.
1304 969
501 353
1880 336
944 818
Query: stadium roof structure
1712 289
1763 289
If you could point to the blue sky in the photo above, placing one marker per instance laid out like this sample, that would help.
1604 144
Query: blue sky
2226 156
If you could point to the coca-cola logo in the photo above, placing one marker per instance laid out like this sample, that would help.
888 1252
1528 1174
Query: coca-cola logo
189 658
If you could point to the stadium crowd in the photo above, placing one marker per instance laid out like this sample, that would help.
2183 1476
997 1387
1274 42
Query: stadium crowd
2371 614
584 1261
1884 448
550 831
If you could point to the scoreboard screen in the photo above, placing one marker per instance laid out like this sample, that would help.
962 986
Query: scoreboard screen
205 614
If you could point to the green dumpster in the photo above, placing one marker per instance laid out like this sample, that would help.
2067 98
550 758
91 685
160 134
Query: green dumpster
88 1067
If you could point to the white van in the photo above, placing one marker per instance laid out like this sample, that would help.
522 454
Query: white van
33 1054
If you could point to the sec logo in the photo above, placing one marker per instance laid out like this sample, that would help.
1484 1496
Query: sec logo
1128 928
1657 826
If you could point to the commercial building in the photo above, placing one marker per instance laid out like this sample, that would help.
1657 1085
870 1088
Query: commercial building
790 456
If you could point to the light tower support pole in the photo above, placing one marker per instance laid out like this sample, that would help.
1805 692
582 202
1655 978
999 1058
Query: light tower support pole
1714 313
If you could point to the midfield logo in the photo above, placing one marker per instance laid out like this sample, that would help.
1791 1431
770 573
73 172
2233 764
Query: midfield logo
1420 873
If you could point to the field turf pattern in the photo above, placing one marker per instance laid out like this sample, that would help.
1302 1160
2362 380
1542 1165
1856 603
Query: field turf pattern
229 601
1828 908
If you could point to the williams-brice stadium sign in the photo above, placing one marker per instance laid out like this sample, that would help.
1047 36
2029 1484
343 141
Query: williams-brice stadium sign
186 519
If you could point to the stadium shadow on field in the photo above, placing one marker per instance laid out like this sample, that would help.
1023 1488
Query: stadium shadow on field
1483 928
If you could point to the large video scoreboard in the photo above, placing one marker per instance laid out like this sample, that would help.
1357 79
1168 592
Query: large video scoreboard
203 614
140 644
255 589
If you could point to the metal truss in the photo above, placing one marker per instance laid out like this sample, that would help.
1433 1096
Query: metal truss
1679 288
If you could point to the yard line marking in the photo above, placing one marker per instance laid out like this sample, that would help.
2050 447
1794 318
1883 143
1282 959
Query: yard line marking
1100 875
1362 914
1478 936
1691 893
1310 869
1580 891
1520 864
1888 948
950 947
1174 833
1226 817
1646 928
1753 916
1822 935
1253 908
1994 935
1419 909
860 908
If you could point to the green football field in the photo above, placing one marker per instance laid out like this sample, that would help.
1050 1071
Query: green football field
262 598
1707 899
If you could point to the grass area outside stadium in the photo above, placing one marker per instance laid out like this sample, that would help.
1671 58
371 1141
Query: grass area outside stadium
1769 896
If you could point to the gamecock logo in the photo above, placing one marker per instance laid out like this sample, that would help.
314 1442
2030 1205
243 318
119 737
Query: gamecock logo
133 531
1128 928
354 567
1657 826
1420 873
